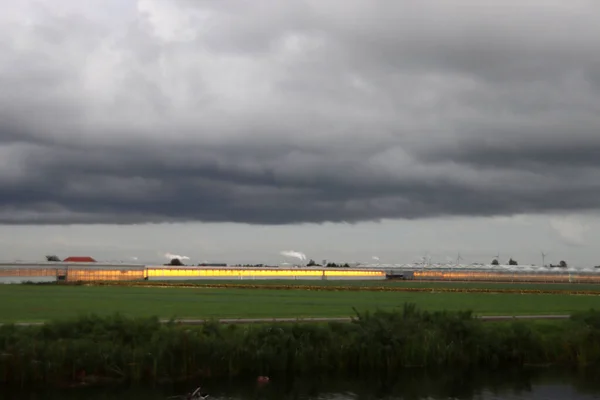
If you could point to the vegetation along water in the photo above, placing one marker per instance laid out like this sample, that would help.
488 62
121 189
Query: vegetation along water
116 348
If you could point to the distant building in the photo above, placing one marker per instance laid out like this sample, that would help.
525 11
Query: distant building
85 259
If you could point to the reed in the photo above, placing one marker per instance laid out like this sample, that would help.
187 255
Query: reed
93 348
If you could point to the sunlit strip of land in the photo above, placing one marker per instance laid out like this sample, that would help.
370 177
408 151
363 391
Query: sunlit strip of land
363 284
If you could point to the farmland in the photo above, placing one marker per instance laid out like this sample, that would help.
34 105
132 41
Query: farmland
398 326
29 303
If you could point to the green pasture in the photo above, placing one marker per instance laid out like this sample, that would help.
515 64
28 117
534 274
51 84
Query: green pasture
47 302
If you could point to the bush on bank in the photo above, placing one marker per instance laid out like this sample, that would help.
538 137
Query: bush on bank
120 348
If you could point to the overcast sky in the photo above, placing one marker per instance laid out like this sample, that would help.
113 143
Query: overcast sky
232 130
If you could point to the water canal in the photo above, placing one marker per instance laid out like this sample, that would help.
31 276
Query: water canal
505 385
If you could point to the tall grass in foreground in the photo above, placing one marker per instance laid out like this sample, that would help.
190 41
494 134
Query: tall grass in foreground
119 348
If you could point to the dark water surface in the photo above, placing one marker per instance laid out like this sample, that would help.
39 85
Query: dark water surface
412 385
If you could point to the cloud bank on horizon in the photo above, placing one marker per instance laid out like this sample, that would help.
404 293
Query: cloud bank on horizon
171 256
298 111
294 254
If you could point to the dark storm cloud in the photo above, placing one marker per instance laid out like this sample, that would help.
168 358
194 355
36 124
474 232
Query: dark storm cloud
300 112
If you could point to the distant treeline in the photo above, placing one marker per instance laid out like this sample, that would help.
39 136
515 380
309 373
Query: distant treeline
116 348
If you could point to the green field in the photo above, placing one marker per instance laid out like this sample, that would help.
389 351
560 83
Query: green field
47 302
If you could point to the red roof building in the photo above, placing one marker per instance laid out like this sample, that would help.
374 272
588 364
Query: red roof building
79 259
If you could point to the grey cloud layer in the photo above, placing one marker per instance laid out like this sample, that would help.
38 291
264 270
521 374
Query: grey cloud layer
299 111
